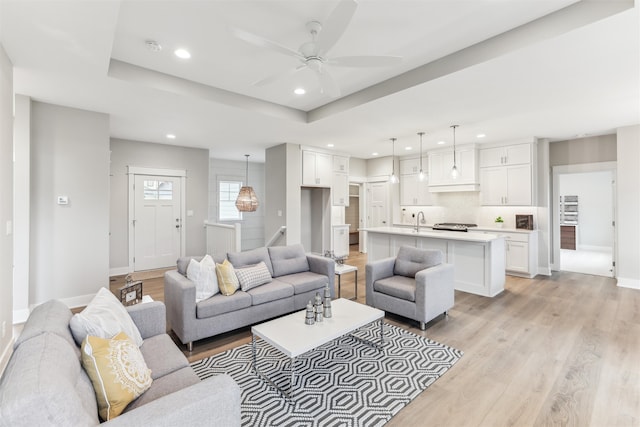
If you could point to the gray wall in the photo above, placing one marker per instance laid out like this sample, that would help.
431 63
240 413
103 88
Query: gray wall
145 154
6 206
69 243
283 178
583 150
252 223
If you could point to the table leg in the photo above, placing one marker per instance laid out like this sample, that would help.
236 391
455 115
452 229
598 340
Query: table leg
293 374
253 352
382 332
339 276
356 284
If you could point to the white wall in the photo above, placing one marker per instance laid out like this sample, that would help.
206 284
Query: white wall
595 205
69 243
162 156
6 207
628 209
252 223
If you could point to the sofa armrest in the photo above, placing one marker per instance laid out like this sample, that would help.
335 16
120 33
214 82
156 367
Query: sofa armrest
435 289
149 317
376 270
212 402
180 299
325 266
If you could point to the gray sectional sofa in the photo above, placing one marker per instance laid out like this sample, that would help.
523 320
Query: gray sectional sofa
45 383
297 276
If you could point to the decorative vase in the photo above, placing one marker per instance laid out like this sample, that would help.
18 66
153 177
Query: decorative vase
327 302
318 307
309 316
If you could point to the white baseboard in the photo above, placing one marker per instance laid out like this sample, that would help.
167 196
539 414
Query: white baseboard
546 271
628 283
119 271
6 355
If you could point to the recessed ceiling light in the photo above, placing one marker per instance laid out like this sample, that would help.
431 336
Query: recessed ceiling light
171 136
441 142
153 45
374 154
480 135
408 148
330 145
299 91
182 53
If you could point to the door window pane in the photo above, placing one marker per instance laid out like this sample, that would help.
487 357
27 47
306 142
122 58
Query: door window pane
158 190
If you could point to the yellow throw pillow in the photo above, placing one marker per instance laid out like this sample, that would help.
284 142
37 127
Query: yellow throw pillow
117 370
227 279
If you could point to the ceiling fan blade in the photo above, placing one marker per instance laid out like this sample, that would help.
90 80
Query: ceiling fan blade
335 25
328 85
365 61
274 77
262 42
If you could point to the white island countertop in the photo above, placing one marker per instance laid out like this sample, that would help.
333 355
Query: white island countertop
467 236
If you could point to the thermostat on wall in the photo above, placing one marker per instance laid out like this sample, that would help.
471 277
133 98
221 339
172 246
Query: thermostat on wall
63 200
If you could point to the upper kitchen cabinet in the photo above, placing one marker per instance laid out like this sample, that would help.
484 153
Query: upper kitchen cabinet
341 164
340 186
317 169
519 154
506 175
413 192
441 163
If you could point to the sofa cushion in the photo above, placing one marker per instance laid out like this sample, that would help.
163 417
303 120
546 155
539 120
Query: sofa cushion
165 385
251 257
44 383
397 286
227 279
117 370
220 304
162 356
305 282
203 275
270 292
52 316
253 276
288 260
410 260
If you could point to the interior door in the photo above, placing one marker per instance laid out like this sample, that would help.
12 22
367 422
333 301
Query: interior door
378 209
157 221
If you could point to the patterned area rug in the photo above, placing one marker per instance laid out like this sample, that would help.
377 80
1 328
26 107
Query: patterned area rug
343 383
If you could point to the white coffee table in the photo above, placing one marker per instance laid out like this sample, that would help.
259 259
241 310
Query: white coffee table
292 337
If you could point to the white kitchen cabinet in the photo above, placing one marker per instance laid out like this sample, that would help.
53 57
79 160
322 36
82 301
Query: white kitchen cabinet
341 240
413 192
340 189
341 164
506 185
521 253
317 169
440 165
503 156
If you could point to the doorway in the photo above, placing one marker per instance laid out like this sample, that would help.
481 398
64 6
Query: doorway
584 218
156 212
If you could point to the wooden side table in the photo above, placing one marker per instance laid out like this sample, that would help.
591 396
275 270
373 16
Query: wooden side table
342 269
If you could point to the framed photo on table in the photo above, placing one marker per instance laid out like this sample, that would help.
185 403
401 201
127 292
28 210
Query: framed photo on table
131 293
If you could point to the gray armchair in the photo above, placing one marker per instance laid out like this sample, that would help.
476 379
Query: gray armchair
415 284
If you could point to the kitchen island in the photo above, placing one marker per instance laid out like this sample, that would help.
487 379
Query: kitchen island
478 258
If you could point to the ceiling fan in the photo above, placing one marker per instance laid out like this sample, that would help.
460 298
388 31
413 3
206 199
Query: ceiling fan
313 54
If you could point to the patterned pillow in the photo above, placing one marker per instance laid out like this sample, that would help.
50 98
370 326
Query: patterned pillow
253 276
117 371
227 279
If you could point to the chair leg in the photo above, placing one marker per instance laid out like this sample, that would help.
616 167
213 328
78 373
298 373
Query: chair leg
190 346
423 326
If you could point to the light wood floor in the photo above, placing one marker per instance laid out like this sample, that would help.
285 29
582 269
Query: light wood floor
561 350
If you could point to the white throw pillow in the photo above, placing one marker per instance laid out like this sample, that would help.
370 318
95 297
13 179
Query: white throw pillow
203 274
104 317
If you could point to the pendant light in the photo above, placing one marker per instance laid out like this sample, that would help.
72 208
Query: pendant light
247 200
422 175
454 169
393 178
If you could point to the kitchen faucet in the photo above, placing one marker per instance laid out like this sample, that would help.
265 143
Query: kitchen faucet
418 221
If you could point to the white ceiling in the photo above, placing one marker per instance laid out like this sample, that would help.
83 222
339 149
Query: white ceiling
512 70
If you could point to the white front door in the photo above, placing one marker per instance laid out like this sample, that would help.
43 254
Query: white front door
157 221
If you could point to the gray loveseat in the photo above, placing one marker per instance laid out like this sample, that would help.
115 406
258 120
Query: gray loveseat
45 384
297 276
